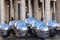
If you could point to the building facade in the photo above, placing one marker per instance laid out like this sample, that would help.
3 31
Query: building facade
19 9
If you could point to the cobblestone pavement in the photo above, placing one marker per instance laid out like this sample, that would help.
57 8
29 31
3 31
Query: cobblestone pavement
31 38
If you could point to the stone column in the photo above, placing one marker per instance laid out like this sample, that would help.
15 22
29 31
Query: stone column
22 10
36 15
2 11
16 9
54 10
11 9
47 11
7 13
43 9
30 8
58 11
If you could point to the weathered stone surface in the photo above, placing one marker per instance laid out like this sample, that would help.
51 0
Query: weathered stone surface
2 11
16 9
36 10
30 8
47 11
11 9
58 11
22 10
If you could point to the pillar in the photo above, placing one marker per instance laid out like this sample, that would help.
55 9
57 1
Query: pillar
54 10
16 9
7 13
30 8
22 10
36 15
58 10
2 11
43 9
47 11
11 9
